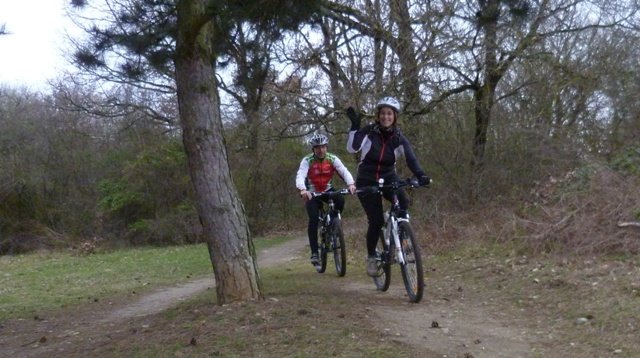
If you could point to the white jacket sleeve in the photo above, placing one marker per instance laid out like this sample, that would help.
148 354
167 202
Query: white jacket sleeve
303 170
343 171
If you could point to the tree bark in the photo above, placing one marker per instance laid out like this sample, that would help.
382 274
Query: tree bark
485 95
221 213
333 69
380 53
405 49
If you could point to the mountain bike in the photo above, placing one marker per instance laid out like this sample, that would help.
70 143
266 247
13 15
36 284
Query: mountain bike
398 244
330 233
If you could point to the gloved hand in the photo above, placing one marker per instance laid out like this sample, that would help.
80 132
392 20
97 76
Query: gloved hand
354 118
424 180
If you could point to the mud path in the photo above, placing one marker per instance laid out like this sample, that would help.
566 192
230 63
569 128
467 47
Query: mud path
164 298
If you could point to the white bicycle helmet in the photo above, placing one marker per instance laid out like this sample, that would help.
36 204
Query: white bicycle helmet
389 102
318 139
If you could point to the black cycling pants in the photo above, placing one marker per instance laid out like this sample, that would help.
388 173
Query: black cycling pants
372 205
313 210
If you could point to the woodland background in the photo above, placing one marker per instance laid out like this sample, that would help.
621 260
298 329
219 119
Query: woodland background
525 113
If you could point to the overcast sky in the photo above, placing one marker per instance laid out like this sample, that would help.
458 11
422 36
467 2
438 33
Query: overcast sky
33 50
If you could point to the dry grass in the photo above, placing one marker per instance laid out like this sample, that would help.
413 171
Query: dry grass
577 214
580 213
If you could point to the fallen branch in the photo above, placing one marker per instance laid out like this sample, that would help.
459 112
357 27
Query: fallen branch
629 223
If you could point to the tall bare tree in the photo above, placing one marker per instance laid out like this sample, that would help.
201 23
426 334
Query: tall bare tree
496 34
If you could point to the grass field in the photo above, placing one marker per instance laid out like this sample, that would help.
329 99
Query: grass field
49 280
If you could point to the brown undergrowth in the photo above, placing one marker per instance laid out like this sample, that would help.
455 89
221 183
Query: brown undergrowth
580 212
591 211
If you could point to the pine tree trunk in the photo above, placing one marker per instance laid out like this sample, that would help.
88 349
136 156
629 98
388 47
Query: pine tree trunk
221 212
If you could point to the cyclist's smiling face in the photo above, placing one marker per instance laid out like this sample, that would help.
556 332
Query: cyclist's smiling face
386 117
320 151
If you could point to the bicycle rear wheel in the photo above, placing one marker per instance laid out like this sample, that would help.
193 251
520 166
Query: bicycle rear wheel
339 248
383 279
412 273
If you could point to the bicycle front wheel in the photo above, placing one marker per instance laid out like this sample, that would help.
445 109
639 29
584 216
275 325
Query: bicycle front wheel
383 279
339 248
324 247
412 273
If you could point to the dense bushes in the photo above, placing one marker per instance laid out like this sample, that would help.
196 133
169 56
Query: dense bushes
67 177
149 200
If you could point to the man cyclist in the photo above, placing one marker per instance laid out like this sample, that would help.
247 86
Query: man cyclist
315 174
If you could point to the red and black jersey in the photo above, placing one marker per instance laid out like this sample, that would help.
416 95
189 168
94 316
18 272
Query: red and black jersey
315 174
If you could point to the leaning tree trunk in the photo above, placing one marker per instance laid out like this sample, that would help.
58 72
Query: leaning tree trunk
221 212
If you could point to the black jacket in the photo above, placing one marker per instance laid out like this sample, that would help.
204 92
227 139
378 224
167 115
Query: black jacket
380 148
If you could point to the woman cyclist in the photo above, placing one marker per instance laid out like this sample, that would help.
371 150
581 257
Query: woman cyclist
380 144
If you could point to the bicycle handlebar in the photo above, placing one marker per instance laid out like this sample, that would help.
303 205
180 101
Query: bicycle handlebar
330 193
411 182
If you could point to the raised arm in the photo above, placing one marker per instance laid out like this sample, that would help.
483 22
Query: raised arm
354 141
356 138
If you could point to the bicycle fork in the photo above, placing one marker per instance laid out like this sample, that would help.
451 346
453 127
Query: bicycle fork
392 233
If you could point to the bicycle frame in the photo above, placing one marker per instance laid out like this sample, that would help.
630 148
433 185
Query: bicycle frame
391 223
403 250
332 239
325 214
392 232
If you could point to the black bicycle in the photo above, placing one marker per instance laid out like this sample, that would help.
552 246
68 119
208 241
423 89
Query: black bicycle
398 244
330 233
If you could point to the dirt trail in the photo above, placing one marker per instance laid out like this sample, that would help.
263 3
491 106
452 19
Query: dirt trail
165 298
463 331
61 335
466 329
448 328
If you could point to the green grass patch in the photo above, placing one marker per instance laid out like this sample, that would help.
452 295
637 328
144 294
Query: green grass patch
44 281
